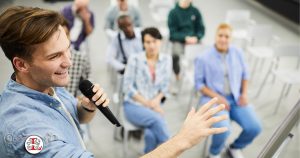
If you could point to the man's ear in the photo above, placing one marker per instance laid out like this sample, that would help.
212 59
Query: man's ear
21 64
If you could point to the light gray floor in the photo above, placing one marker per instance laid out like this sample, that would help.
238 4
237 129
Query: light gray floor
102 143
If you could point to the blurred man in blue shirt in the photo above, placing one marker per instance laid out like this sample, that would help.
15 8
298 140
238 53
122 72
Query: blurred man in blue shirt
221 72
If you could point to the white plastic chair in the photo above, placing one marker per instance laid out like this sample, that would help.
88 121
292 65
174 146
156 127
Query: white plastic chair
289 76
190 53
261 40
127 126
159 9
240 21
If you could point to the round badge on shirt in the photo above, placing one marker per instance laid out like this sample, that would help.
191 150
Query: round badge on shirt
34 144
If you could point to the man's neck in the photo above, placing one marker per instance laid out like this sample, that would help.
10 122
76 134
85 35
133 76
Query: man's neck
184 5
124 8
221 51
24 81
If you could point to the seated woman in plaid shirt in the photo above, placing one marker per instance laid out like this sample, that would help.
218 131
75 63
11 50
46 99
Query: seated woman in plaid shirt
146 81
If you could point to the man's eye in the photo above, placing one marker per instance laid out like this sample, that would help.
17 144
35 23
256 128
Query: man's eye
55 56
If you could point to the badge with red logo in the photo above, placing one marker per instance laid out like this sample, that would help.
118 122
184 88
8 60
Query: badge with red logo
34 144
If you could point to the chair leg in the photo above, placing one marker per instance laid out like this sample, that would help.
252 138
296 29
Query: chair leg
125 143
262 62
205 148
280 98
264 82
254 67
274 79
288 90
298 64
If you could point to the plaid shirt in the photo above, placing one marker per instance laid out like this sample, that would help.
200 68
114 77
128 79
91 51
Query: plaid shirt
79 70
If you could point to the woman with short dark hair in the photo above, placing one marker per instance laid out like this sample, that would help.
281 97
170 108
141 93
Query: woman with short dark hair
146 83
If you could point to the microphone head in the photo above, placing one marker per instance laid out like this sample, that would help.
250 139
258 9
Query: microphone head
85 86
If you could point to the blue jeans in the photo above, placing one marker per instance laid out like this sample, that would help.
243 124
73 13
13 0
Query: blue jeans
245 117
155 128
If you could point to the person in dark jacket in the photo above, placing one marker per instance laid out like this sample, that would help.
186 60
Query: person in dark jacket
186 27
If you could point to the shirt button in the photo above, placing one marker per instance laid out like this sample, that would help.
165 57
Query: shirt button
51 104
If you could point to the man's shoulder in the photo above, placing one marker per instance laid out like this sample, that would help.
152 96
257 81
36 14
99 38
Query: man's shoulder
235 49
11 100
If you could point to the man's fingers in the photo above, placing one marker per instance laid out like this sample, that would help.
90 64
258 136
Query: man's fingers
98 95
212 131
106 102
206 106
96 87
191 113
102 99
216 119
211 112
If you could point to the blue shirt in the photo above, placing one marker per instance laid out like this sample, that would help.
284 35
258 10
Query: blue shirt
25 112
209 71
138 80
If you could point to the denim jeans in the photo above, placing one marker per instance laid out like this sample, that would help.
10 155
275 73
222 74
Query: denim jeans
155 128
245 117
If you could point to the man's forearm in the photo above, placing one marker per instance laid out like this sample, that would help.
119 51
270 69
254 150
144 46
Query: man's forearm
170 149
244 87
209 92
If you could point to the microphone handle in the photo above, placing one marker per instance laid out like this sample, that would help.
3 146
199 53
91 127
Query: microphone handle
108 114
105 110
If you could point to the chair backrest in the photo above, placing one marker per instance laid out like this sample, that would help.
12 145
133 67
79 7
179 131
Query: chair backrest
238 19
160 9
289 50
260 34
237 15
193 50
190 53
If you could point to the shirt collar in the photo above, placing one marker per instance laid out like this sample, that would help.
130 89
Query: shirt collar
160 57
14 86
217 53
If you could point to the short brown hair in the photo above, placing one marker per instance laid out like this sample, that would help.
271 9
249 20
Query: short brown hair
23 27
224 26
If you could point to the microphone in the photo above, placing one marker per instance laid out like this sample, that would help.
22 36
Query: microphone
86 88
